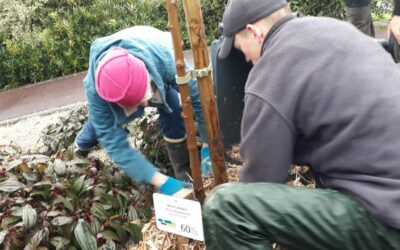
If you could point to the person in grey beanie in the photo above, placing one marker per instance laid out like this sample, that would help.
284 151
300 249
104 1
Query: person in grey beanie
320 94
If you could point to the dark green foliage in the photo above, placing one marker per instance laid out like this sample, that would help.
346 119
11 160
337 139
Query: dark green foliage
146 135
58 42
331 8
382 7
61 134
212 15
61 202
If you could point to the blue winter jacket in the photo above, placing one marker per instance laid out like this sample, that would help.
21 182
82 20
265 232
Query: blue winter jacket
154 48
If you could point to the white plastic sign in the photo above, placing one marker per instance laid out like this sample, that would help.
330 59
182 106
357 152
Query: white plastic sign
178 216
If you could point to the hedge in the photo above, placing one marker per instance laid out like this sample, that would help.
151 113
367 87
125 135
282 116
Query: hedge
45 39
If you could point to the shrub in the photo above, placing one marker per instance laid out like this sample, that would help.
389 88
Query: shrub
17 17
331 8
44 39
382 9
59 40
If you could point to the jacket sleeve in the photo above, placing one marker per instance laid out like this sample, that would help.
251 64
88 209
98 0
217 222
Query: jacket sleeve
113 139
266 143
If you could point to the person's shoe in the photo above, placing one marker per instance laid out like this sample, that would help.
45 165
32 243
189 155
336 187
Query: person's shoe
179 158
83 153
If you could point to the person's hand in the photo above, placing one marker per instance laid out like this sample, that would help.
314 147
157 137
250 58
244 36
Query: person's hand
172 185
206 167
394 27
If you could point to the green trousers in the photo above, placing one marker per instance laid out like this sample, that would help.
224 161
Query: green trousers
361 17
254 215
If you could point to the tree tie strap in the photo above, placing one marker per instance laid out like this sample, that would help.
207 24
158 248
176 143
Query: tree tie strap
193 74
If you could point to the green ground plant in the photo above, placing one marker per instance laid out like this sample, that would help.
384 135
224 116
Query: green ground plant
51 198
62 202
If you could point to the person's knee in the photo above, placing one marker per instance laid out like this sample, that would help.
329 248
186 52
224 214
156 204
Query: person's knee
86 137
361 18
222 195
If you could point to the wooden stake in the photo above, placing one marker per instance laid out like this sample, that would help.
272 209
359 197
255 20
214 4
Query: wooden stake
194 22
187 111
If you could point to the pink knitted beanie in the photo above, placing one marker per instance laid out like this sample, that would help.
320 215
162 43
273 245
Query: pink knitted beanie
121 78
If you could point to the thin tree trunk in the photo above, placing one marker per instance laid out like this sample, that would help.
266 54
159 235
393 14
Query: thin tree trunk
187 111
194 22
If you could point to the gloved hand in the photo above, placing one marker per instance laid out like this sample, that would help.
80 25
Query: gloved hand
172 185
206 167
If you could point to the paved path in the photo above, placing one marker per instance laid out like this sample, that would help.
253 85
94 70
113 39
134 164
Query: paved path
46 95
42 96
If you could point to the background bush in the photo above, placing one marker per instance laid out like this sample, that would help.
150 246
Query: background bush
56 40
44 39
382 9
331 8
